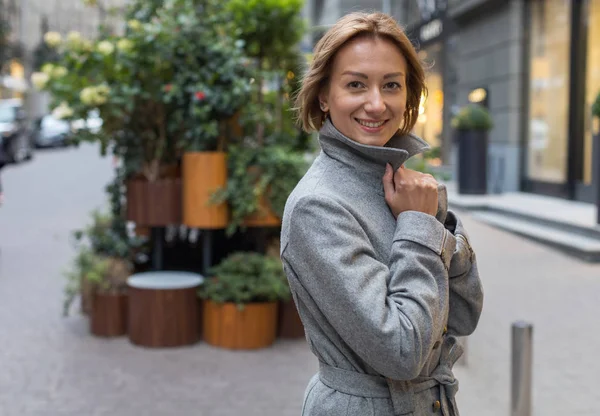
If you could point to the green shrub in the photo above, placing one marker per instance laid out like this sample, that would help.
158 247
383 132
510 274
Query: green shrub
246 277
473 117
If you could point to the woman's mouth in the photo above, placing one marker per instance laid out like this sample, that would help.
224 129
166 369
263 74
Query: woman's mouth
371 125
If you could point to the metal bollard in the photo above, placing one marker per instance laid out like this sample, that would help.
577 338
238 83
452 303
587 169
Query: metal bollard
522 360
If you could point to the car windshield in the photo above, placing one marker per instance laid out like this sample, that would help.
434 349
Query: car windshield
7 114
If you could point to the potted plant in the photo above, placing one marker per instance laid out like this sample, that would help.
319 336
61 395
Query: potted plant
106 237
211 82
106 278
260 181
472 124
241 300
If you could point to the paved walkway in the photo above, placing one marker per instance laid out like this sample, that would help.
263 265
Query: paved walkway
51 366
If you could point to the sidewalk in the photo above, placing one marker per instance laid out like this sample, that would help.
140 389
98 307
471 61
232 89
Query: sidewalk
569 226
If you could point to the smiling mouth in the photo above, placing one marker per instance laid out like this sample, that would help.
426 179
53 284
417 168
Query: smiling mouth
371 124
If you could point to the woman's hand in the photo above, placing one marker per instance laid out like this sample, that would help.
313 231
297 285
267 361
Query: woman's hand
409 190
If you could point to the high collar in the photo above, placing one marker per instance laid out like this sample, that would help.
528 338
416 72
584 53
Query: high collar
367 158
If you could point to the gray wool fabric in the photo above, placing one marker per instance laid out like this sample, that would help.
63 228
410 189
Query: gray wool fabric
382 299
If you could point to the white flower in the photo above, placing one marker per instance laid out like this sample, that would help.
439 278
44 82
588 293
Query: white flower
94 95
134 24
39 80
74 37
59 72
62 111
124 45
87 95
48 69
52 39
105 47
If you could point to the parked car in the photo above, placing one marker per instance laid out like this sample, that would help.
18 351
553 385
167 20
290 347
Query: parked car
51 132
15 132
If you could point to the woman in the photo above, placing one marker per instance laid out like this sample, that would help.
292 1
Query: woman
381 284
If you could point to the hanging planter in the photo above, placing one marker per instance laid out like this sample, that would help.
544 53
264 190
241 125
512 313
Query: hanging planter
154 203
251 327
203 174
108 317
263 216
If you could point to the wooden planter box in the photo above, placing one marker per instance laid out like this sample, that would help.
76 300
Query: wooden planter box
265 217
154 204
227 326
162 314
289 323
108 316
203 174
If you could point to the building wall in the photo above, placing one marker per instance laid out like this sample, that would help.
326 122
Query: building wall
490 51
62 16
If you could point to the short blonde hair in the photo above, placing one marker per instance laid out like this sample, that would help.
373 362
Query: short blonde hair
349 27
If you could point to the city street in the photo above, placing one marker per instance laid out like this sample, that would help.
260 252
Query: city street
50 365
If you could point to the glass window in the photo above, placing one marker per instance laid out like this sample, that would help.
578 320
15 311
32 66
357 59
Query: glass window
430 121
549 90
592 85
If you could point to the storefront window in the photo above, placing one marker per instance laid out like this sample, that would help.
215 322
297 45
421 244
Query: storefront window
549 90
592 85
430 121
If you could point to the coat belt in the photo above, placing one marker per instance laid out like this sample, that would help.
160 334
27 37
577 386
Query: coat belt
400 392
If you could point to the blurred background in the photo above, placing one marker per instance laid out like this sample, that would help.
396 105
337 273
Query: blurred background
148 147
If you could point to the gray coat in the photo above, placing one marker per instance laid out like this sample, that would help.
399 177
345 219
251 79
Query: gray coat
382 300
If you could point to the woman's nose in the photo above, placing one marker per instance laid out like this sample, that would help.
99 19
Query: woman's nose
375 103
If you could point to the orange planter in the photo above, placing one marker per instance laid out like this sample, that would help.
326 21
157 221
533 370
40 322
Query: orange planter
203 174
264 217
251 328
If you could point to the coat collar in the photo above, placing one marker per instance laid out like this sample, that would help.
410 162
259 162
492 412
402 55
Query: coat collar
366 157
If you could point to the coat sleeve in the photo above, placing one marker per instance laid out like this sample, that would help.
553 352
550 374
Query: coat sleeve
466 290
389 314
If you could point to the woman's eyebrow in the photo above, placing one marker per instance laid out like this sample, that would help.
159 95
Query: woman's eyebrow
361 75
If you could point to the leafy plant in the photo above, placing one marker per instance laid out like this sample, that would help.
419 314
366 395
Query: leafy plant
596 107
473 117
97 273
104 259
246 277
271 172
165 86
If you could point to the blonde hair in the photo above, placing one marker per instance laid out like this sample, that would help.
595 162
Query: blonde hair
349 27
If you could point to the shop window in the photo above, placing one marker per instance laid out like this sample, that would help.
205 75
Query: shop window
549 90
430 121
592 85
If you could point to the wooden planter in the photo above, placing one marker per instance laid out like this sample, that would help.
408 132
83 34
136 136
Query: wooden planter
108 316
265 217
154 204
203 174
163 309
251 328
289 323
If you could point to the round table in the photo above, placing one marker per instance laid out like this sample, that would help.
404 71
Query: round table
163 308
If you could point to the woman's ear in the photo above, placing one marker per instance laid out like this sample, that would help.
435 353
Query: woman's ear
323 102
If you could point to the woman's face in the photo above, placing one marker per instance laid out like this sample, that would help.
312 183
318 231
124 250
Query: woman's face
366 95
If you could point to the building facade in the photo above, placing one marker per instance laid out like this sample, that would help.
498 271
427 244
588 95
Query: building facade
29 20
532 63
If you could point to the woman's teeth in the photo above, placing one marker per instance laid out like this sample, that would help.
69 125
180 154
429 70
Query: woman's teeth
371 125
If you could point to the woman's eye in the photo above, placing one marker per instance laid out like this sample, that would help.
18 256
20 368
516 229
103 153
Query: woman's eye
392 85
355 84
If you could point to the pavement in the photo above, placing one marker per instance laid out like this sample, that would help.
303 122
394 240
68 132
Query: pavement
50 365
